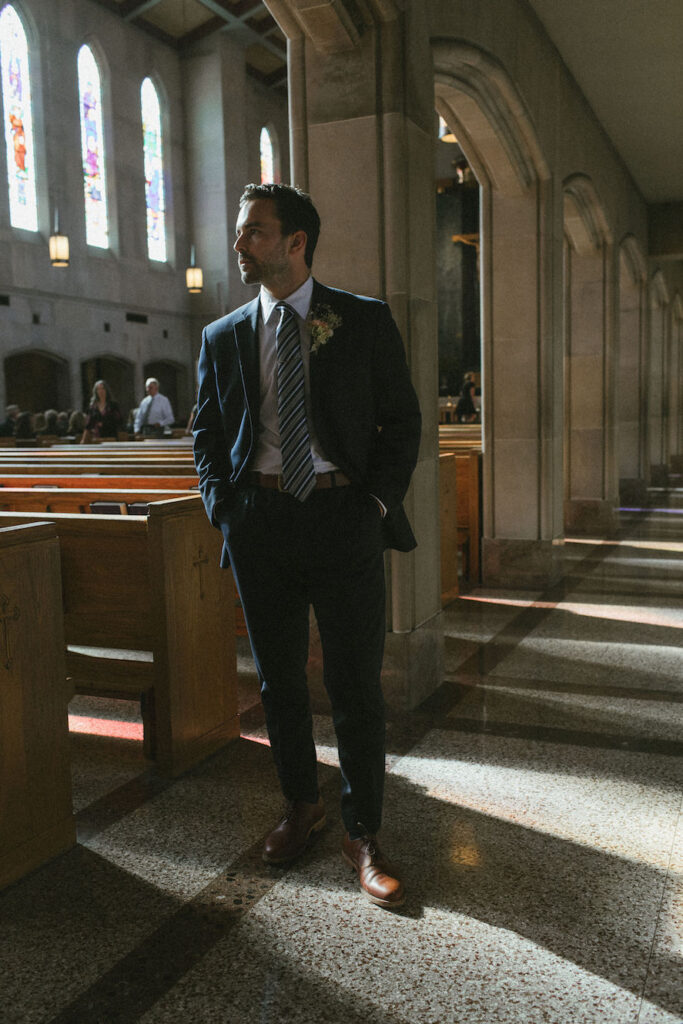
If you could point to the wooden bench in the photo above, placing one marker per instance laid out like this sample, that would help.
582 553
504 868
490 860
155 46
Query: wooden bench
36 816
148 614
449 528
73 499
460 519
87 481
468 509
118 467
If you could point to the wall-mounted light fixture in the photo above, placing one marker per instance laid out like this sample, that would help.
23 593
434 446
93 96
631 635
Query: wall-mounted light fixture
58 246
194 278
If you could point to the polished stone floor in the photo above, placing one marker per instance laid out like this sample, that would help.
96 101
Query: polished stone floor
534 803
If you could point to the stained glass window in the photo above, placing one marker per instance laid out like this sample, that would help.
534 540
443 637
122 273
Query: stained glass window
154 172
92 150
267 159
16 99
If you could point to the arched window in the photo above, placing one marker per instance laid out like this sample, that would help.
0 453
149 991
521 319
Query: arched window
267 157
154 171
16 100
92 150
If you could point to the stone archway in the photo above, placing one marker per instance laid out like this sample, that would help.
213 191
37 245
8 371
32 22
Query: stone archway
522 437
590 480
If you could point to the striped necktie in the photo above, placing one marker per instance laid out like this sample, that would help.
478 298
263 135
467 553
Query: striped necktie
298 474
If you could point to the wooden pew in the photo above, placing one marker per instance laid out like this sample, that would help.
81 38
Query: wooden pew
460 518
148 614
36 816
73 499
87 481
468 509
449 528
118 467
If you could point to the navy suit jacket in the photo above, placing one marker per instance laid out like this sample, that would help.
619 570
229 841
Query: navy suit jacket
364 407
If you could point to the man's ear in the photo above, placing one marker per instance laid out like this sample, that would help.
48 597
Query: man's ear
297 242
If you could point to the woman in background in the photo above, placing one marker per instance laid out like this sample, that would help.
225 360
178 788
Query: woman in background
104 416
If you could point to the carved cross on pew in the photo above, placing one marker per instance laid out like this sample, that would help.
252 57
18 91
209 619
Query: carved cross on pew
6 617
199 561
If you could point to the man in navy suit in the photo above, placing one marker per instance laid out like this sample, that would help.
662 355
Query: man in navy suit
326 548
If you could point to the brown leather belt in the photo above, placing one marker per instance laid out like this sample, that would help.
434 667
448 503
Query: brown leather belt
322 480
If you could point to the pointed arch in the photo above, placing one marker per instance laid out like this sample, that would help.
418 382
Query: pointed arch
15 75
659 293
584 215
478 100
93 153
153 150
633 259
269 170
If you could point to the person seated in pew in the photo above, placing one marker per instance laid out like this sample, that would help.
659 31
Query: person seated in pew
154 412
24 426
8 427
104 416
76 424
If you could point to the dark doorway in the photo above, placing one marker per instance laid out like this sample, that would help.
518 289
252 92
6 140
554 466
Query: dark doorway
36 381
119 375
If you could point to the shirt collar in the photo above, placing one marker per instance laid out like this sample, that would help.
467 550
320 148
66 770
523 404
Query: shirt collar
300 300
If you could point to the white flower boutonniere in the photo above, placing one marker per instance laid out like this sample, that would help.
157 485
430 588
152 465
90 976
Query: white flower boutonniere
323 322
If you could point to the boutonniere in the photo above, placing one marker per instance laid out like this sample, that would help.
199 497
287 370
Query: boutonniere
323 322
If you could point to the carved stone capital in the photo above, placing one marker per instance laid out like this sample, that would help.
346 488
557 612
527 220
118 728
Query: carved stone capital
332 26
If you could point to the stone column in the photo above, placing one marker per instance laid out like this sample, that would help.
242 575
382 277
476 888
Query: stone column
658 470
214 82
630 388
362 142
591 486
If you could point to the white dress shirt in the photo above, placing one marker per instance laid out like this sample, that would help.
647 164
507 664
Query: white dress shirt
267 458
154 409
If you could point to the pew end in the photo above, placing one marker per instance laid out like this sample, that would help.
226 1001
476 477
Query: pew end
36 815
149 614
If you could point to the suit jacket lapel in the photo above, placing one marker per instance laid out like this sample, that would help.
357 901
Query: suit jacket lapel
246 340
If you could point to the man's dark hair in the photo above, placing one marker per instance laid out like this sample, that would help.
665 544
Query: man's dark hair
295 211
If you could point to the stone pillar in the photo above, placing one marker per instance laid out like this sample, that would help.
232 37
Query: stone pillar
658 470
630 388
675 395
362 143
218 167
591 499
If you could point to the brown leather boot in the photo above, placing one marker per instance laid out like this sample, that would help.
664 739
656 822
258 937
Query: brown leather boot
289 838
377 877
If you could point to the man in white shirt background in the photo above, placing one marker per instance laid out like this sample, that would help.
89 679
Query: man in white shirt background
155 409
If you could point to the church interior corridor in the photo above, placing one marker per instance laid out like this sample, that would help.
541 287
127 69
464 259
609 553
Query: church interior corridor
534 803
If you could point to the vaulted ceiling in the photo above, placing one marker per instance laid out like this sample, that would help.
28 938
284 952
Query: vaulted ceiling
179 23
626 56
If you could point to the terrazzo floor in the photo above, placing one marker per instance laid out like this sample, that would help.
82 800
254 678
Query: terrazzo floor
534 803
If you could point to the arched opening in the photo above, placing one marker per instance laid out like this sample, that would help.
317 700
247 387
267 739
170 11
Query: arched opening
589 478
457 280
36 381
173 383
522 516
118 373
631 392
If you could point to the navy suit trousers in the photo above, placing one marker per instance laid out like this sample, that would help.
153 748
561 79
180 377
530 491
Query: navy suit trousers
326 552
